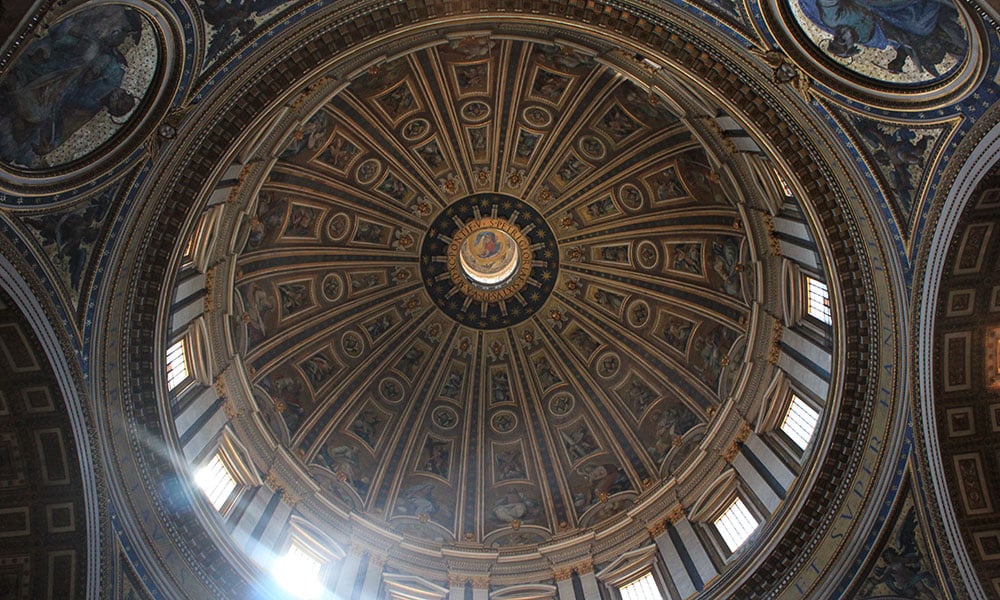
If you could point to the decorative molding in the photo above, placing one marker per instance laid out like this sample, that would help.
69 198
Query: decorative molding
657 528
786 71
676 514
774 350
584 567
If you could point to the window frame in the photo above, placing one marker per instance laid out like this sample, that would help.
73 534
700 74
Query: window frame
656 583
177 386
784 188
298 545
197 361
202 239
785 445
782 390
315 545
233 456
718 539
807 300
630 567
224 507
795 309
792 397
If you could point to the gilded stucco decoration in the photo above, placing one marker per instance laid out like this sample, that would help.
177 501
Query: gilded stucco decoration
388 418
966 382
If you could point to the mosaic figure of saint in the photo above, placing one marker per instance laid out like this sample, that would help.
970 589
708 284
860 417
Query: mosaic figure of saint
923 31
64 80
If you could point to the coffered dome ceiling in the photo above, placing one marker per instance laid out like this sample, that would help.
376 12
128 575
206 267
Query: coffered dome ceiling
499 298
493 290
501 295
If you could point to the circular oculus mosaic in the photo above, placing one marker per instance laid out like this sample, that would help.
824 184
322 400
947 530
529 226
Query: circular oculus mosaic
489 261
489 254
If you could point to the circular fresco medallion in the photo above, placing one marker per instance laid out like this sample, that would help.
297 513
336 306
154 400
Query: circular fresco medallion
390 389
503 421
646 254
475 111
352 344
338 227
369 170
445 417
592 147
333 287
630 196
416 129
608 365
82 88
561 404
905 42
638 313
537 116
489 271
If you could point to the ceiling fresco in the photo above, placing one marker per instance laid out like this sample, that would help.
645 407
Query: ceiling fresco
900 154
571 382
899 566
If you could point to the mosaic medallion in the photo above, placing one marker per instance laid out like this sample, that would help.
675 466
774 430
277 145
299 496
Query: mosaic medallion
489 261
904 42
74 89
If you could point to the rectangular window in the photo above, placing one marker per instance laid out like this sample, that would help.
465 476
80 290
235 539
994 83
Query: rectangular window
736 524
216 481
800 422
643 588
177 368
298 571
307 563
819 300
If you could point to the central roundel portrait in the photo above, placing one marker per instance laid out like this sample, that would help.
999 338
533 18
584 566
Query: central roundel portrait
489 261
489 256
